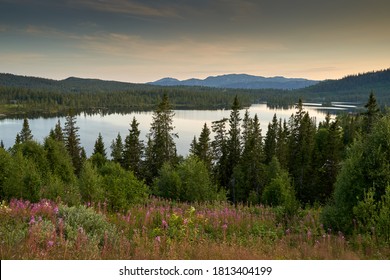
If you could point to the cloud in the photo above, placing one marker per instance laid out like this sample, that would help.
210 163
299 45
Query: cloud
129 7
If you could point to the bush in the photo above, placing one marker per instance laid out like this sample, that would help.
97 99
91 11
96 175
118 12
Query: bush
121 187
78 220
279 192
190 182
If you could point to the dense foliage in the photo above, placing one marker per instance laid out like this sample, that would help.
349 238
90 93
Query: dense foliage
340 164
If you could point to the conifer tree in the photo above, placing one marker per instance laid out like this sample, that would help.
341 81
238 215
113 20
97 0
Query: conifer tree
163 147
99 147
57 133
25 134
270 140
372 114
203 147
234 145
301 146
219 147
117 149
133 149
72 142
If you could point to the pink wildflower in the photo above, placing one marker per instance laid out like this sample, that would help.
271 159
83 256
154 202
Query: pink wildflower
164 224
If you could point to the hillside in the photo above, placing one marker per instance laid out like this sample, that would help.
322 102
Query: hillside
352 88
71 84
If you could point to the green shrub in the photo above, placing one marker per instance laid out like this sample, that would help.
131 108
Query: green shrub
79 219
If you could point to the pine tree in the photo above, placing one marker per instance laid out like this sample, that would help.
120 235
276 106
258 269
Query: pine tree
203 147
117 149
17 139
2 144
133 150
163 147
249 172
219 147
72 142
25 134
372 114
234 145
193 146
57 133
99 147
281 150
270 140
301 146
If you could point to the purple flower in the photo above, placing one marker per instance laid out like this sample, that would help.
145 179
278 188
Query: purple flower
32 220
164 224
50 243
158 239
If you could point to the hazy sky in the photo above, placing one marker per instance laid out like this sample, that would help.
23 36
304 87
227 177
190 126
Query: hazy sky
141 41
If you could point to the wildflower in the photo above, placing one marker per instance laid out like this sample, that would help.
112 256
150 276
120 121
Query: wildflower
50 243
308 234
288 231
164 224
158 239
32 220
224 227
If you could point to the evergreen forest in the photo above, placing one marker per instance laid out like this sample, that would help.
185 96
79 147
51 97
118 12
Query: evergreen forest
302 190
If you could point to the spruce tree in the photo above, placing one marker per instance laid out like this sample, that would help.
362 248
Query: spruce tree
270 140
234 145
219 147
117 149
72 142
372 114
57 133
163 147
99 147
203 147
25 134
133 149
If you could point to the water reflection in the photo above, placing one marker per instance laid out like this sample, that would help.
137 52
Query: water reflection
188 123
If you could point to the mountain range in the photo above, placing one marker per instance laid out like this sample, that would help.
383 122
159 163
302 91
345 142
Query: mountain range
242 81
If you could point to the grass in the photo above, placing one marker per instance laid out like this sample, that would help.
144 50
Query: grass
163 229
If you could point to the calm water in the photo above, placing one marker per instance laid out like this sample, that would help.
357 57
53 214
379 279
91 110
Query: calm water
188 123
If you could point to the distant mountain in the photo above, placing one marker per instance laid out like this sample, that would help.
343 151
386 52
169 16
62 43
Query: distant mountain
242 81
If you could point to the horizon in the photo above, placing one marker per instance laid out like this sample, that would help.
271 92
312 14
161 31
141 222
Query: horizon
198 78
144 41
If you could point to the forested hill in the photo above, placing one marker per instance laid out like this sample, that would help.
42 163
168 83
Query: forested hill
27 95
71 84
353 87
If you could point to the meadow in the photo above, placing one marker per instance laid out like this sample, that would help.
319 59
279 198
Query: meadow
162 229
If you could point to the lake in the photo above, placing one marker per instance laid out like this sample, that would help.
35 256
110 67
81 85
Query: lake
188 123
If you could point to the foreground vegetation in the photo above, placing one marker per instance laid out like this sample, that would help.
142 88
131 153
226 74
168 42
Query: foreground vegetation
162 229
302 191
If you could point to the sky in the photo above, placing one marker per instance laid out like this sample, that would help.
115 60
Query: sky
142 40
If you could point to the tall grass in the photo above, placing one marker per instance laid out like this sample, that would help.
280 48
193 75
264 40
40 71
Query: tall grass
163 229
